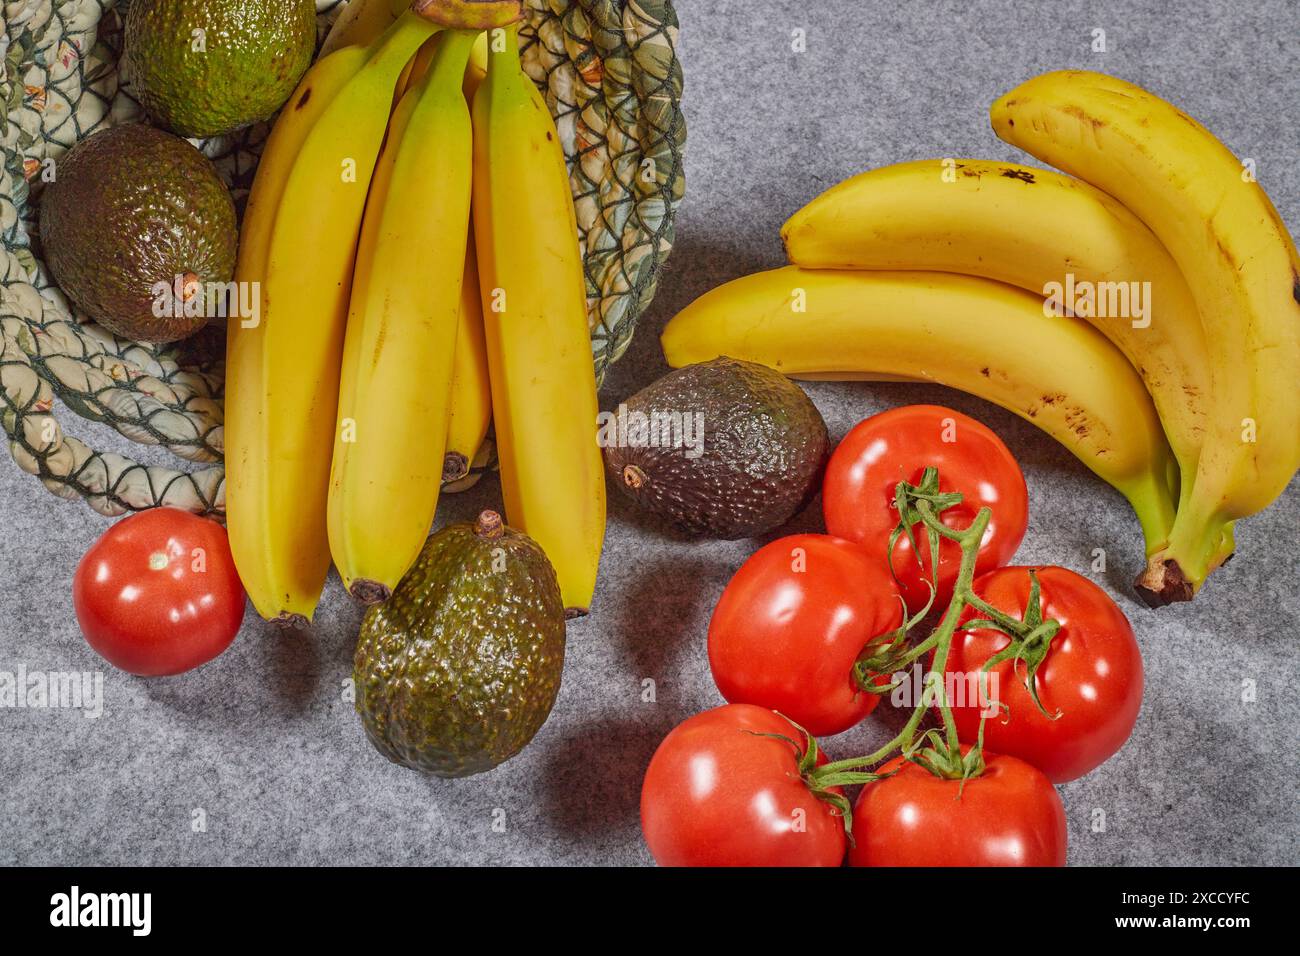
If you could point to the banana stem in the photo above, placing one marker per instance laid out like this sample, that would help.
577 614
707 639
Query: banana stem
448 66
470 14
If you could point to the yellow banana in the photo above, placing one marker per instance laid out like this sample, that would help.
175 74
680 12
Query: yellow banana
535 319
401 332
471 391
475 70
1239 262
361 23
982 337
1039 231
471 400
298 244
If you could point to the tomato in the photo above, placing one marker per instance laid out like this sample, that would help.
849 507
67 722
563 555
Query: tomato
717 793
1010 815
898 445
1092 675
792 621
158 593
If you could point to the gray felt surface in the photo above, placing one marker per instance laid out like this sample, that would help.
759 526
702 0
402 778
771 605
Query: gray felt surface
258 757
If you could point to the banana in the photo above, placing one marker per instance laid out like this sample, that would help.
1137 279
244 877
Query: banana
980 336
535 320
471 400
361 23
1039 231
471 392
298 243
1239 262
401 332
475 70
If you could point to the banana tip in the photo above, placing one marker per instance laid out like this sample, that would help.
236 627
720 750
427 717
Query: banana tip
1163 582
289 621
370 592
455 466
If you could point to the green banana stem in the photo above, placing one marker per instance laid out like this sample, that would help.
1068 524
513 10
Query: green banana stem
470 14
448 66
1154 506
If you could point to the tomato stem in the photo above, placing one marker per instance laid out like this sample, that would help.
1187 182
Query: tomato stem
1030 637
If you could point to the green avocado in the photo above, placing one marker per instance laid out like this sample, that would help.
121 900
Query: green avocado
725 448
459 669
132 216
208 67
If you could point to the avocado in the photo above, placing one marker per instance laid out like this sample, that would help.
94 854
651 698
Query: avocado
133 216
208 67
724 448
459 669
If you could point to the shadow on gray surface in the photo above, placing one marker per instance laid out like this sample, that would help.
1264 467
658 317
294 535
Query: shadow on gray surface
683 593
591 778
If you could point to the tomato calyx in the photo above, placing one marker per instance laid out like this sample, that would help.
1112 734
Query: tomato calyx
821 780
1031 639
888 653
944 758
914 504
921 503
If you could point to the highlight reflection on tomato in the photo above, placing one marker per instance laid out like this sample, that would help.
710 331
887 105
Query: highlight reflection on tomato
158 593
720 792
1090 680
791 623
1010 815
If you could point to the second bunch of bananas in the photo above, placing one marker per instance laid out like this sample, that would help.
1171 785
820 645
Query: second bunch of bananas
420 273
1146 313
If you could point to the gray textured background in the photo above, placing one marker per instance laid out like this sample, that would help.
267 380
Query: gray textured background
263 741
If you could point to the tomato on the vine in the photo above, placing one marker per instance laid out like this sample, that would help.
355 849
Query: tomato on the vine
158 593
1009 815
898 445
792 621
724 789
1089 682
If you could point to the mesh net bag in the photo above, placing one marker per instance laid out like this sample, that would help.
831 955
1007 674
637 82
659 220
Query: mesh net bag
610 76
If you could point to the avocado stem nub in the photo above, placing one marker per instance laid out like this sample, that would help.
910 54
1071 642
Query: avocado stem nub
489 525
633 477
187 286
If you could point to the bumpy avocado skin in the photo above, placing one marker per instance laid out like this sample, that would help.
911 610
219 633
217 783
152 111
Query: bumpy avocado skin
130 207
765 447
458 670
253 54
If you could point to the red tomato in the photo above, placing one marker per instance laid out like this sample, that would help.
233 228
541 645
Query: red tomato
158 593
789 626
718 794
898 445
1092 675
1010 815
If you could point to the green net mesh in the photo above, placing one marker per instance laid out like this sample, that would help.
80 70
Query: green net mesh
609 73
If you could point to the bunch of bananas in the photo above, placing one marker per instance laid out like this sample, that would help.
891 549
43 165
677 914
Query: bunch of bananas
394 324
1173 372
